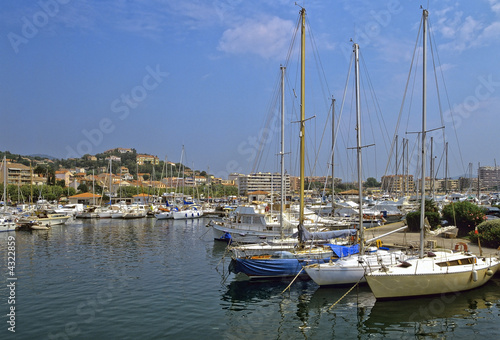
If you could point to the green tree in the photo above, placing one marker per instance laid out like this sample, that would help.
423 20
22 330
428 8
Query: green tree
431 213
83 188
371 182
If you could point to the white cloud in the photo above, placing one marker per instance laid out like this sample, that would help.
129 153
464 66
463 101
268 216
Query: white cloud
267 39
495 6
492 32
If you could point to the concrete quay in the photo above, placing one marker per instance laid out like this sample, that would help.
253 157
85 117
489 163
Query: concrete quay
407 239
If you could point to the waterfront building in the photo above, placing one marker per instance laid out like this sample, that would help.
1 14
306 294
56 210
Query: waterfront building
20 174
398 184
262 181
86 198
489 176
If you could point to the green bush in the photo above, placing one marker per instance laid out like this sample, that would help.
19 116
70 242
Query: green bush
413 220
488 233
465 215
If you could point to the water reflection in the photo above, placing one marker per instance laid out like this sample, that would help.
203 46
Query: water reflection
153 276
434 312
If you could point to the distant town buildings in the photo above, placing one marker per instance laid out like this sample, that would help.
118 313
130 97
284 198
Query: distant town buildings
262 181
489 176
398 184
144 159
120 150
19 174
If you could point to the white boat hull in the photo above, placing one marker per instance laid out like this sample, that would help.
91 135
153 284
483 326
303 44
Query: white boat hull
7 225
187 214
164 215
425 277
351 269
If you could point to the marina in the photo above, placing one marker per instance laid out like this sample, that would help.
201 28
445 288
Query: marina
151 279
289 236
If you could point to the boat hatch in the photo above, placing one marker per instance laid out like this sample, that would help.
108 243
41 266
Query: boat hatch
459 262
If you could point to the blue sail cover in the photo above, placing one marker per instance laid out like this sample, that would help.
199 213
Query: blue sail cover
343 251
283 263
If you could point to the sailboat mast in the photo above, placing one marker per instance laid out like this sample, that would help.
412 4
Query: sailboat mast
5 183
333 151
446 171
282 152
424 128
358 129
302 112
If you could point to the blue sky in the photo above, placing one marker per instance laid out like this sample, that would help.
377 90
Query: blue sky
85 76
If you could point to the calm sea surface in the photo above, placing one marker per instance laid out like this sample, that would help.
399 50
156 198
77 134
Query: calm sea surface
148 279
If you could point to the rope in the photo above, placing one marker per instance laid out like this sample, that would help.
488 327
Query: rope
343 296
292 281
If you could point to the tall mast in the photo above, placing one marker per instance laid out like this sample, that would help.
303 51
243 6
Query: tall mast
424 127
110 178
403 178
446 170
358 148
4 183
432 167
31 185
282 152
333 150
478 184
302 112
395 182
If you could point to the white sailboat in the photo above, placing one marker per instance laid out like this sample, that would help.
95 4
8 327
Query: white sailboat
434 272
352 269
188 211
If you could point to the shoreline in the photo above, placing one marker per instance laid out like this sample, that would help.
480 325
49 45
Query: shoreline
407 239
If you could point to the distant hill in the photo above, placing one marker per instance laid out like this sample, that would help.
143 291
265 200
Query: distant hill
43 156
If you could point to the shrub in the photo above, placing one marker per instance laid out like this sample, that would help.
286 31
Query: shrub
488 233
413 220
465 215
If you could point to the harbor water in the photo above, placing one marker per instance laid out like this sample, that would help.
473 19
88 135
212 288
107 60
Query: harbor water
166 279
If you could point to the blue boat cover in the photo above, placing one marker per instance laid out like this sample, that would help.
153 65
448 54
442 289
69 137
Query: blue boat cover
283 263
343 251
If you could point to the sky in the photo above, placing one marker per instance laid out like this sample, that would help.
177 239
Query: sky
162 76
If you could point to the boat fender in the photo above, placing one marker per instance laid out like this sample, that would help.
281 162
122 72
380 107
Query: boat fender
489 272
461 246
474 275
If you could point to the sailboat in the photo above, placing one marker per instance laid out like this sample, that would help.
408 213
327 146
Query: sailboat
436 272
352 269
281 263
7 221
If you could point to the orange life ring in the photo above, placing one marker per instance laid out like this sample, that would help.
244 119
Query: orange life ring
461 246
